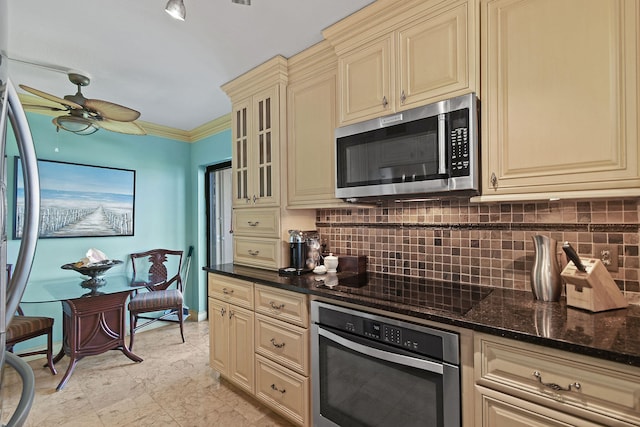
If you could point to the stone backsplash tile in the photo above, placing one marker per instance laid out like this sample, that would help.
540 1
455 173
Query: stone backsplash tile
488 244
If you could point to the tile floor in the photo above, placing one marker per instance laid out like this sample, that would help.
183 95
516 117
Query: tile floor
174 386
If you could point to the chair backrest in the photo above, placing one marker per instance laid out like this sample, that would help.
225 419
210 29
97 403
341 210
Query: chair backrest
158 266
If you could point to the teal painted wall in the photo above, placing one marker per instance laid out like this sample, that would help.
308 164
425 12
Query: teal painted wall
169 202
206 152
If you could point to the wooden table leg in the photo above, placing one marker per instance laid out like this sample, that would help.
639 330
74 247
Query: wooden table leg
93 325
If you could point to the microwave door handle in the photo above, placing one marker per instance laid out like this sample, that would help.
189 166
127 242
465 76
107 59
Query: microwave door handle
399 359
442 160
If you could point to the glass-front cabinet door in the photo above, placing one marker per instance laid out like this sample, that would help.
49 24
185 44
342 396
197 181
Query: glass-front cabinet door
241 145
256 150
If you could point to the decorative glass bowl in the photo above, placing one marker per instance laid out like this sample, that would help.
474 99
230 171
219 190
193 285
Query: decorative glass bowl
94 271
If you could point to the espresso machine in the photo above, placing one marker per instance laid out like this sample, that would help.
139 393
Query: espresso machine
297 249
299 253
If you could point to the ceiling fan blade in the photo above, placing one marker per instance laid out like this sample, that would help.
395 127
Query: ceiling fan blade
112 111
42 107
131 128
50 97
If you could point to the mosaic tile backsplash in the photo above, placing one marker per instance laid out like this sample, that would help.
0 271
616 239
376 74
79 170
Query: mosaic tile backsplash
487 244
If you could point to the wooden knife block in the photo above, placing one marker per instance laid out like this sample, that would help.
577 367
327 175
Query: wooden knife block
593 290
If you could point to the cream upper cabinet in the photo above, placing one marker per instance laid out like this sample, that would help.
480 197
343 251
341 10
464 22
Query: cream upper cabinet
394 56
560 95
256 132
311 121
256 150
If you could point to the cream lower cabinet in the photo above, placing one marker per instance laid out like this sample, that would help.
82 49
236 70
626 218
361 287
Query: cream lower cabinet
399 55
259 340
520 384
282 352
560 99
231 330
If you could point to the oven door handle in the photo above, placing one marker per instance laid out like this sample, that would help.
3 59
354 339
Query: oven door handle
369 350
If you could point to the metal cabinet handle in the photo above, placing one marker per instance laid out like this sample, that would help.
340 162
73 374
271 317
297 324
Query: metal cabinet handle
275 344
385 102
254 198
274 387
494 180
555 386
403 97
276 307
253 223
253 253
227 291
222 311
231 314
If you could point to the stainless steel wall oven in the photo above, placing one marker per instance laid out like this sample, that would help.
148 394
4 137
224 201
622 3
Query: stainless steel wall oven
370 370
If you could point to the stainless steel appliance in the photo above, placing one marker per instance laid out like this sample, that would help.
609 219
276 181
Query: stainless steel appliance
370 370
11 292
297 249
429 150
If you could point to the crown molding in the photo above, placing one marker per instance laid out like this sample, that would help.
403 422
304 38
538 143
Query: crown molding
30 103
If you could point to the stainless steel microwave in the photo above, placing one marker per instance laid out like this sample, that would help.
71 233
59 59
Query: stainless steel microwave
426 151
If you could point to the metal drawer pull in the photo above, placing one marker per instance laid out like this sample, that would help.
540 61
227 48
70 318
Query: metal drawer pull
275 344
253 253
253 223
276 307
227 291
555 386
273 387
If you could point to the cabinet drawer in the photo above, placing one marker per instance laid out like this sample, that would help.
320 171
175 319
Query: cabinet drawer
284 305
283 390
283 343
605 388
256 222
256 252
231 290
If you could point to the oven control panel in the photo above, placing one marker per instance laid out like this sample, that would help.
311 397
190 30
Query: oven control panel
397 336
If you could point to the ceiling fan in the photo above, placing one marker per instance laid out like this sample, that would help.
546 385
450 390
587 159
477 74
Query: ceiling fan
85 116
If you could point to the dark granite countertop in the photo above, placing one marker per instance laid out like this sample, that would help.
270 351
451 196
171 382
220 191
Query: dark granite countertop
611 335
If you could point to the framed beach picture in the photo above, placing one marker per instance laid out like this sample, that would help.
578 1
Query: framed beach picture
79 200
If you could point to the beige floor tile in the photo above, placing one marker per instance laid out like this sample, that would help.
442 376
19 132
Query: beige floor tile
173 386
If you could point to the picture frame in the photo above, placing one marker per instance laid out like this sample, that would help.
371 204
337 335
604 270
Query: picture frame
78 200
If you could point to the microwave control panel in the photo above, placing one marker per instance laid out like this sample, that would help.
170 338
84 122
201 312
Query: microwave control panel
459 143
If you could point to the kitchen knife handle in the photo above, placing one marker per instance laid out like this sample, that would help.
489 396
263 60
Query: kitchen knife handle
573 256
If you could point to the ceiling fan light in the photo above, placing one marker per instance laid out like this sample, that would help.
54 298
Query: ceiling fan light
176 9
247 2
77 125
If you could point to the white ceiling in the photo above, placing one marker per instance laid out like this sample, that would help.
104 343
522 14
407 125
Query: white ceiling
138 56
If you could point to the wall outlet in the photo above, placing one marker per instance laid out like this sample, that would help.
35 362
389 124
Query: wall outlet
608 254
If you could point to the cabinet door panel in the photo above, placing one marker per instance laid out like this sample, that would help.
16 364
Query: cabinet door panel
241 122
219 336
265 146
241 362
366 81
312 120
560 95
423 77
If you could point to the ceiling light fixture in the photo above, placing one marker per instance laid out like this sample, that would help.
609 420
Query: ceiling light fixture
77 125
247 2
176 9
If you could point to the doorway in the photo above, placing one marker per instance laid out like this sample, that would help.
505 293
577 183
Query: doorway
218 196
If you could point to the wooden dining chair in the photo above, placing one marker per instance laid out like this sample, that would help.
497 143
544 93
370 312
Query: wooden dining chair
159 301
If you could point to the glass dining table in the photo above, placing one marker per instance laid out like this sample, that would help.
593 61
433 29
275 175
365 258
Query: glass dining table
93 314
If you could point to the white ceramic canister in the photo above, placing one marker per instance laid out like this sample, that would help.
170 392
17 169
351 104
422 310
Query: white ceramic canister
331 262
